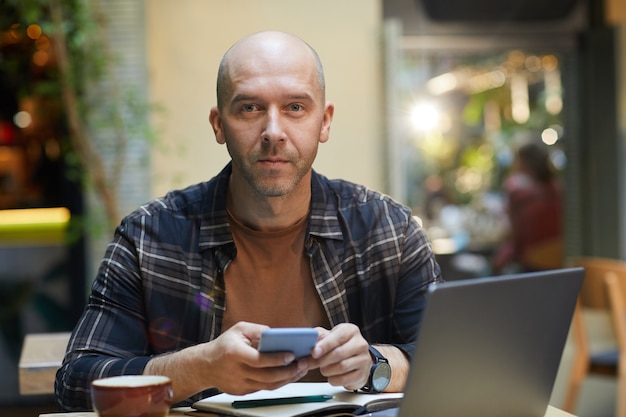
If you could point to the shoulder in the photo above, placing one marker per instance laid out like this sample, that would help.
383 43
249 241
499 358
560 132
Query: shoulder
183 202
350 195
198 201
356 206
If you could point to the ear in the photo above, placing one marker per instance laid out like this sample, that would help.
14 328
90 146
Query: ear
329 111
216 122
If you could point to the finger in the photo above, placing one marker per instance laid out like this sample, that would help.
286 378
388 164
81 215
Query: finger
351 380
355 347
308 362
351 373
345 365
322 332
337 336
271 378
328 343
274 359
251 332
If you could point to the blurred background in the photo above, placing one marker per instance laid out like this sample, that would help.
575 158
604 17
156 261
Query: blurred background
104 105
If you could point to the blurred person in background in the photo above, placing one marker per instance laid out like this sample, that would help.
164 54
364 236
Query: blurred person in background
534 207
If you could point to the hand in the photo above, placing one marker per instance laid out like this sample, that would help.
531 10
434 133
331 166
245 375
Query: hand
242 369
230 363
342 356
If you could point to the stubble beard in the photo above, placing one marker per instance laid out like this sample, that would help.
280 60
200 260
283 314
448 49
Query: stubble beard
268 187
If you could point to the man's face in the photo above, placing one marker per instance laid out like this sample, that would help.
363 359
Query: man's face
272 121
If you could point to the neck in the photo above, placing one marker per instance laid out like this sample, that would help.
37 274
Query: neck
268 213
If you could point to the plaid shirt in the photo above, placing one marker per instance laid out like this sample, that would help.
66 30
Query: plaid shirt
160 286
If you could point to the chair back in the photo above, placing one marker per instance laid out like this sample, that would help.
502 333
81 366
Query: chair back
593 297
616 289
593 294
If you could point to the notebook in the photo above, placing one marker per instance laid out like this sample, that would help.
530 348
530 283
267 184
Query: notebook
343 402
490 347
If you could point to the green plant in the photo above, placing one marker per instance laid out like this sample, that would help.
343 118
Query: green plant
101 116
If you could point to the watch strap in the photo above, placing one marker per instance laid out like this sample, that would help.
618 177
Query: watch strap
376 355
378 358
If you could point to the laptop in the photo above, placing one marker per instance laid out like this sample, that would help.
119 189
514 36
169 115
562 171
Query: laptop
490 347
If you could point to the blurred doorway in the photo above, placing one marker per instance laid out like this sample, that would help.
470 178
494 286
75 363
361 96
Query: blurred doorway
458 108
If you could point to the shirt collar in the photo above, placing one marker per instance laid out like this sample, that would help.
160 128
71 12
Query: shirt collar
214 227
324 221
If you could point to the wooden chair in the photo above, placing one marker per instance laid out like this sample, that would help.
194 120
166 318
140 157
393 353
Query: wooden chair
593 297
616 289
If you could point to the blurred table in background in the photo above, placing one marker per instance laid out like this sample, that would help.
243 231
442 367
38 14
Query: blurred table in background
41 356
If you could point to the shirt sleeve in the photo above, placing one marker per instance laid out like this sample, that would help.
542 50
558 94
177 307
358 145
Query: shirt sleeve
418 269
111 337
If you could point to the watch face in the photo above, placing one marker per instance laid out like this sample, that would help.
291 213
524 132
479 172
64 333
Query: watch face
381 376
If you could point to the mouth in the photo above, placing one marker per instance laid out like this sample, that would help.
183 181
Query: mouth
273 162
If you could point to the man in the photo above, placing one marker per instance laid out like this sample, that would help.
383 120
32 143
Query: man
191 280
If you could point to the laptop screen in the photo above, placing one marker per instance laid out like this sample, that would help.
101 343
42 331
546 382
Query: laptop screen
491 347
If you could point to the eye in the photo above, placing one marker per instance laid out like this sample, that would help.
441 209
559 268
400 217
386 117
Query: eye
248 108
295 107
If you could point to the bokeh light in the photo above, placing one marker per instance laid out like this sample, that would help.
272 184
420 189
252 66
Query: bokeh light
487 81
519 98
425 117
442 84
22 119
559 159
550 62
33 31
533 63
549 136
42 43
40 58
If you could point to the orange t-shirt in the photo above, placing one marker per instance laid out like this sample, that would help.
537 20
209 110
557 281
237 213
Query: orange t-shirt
269 281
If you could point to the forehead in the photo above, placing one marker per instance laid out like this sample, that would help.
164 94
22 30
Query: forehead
272 64
276 78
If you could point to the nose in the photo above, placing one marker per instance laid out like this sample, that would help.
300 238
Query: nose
273 129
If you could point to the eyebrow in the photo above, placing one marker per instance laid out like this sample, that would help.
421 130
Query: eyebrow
242 97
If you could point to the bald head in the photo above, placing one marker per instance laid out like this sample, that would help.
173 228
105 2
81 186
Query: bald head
269 46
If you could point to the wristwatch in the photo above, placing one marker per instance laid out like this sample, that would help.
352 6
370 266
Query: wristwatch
380 372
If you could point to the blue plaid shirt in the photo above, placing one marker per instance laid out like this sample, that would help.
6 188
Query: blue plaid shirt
160 286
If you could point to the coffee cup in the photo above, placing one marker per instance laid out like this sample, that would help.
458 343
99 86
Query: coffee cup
132 396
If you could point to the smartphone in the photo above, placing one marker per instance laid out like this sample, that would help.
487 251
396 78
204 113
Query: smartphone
298 340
